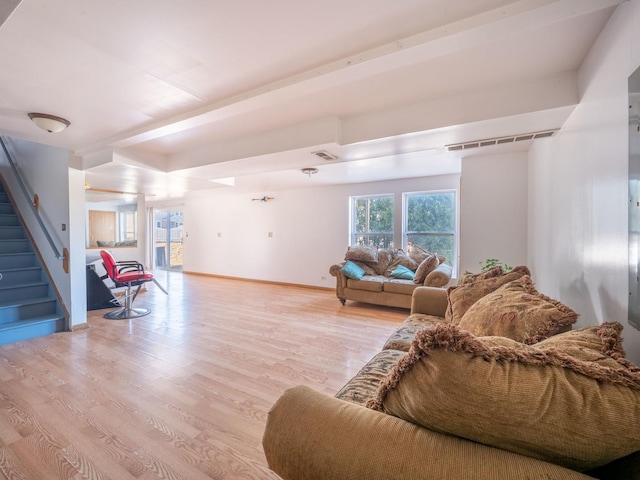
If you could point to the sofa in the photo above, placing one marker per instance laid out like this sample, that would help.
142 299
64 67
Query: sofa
485 380
389 276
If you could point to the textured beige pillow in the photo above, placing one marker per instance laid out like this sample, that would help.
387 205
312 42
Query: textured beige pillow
535 400
461 297
518 311
385 256
468 277
417 253
362 253
400 258
427 266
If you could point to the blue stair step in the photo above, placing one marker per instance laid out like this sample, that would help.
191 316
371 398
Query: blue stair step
24 291
31 328
9 232
19 245
16 260
14 311
9 219
17 276
6 208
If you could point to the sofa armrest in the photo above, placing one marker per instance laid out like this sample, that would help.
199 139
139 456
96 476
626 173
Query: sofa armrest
429 301
439 277
312 436
341 280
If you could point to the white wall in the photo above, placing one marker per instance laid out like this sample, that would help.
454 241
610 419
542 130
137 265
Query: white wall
310 230
493 210
578 188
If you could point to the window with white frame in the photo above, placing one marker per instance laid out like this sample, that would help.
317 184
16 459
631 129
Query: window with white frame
372 221
430 222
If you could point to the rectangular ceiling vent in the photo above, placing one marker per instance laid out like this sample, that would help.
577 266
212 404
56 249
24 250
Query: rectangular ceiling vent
324 155
499 141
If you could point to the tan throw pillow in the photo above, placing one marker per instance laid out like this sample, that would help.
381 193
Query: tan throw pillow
385 255
439 277
536 401
427 266
518 311
417 253
362 253
461 297
468 277
400 258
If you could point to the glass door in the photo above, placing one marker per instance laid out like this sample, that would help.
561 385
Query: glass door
168 238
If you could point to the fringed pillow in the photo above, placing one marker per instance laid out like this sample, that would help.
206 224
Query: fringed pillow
518 311
461 297
536 400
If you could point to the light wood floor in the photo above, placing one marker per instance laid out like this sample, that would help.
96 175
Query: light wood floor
182 393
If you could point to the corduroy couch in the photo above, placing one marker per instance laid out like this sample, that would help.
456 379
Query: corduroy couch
440 402
388 276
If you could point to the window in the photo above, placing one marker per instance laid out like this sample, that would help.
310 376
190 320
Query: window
372 221
430 222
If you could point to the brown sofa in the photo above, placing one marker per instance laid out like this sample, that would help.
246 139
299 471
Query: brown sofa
363 434
378 286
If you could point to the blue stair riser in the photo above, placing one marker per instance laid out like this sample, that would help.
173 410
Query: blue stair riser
4 197
9 220
14 246
9 278
11 232
23 292
37 308
6 208
17 260
26 330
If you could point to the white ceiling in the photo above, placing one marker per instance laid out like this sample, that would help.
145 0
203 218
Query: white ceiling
163 96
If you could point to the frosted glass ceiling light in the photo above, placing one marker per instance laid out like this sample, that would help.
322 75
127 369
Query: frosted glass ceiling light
49 123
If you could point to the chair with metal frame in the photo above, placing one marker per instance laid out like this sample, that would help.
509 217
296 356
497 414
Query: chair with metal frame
127 274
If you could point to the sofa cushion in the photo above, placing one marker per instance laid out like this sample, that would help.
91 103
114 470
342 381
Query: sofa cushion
461 297
352 270
364 385
427 266
362 253
518 311
536 400
402 338
396 285
402 272
370 283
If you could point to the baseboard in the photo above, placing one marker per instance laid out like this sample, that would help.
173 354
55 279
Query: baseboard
253 280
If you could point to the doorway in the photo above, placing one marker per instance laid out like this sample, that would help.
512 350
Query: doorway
168 239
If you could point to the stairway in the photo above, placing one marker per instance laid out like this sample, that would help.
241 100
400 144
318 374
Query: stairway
28 306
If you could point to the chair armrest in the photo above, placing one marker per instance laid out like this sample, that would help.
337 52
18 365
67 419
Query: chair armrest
429 301
129 266
312 436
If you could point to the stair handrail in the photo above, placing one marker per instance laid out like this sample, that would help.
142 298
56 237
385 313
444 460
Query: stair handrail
60 256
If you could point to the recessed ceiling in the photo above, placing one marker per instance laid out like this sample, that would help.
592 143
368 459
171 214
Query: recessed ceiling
163 96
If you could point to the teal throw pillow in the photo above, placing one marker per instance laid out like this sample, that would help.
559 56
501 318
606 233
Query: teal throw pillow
352 270
402 272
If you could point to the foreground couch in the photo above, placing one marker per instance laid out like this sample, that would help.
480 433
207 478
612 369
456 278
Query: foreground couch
388 276
538 401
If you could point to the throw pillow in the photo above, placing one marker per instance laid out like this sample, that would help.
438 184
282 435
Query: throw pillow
362 253
352 270
468 277
439 277
461 297
385 255
402 272
427 266
417 253
536 401
400 258
518 311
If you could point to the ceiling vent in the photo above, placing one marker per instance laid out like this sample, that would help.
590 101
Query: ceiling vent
324 155
499 141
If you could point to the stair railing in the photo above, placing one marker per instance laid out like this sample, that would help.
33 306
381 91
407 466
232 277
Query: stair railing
64 256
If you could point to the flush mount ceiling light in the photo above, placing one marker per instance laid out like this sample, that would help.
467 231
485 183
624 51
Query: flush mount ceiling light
309 171
49 123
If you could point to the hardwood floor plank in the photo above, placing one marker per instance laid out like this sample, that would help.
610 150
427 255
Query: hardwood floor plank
182 393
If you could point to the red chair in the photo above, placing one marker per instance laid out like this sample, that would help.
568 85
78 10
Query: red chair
127 274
